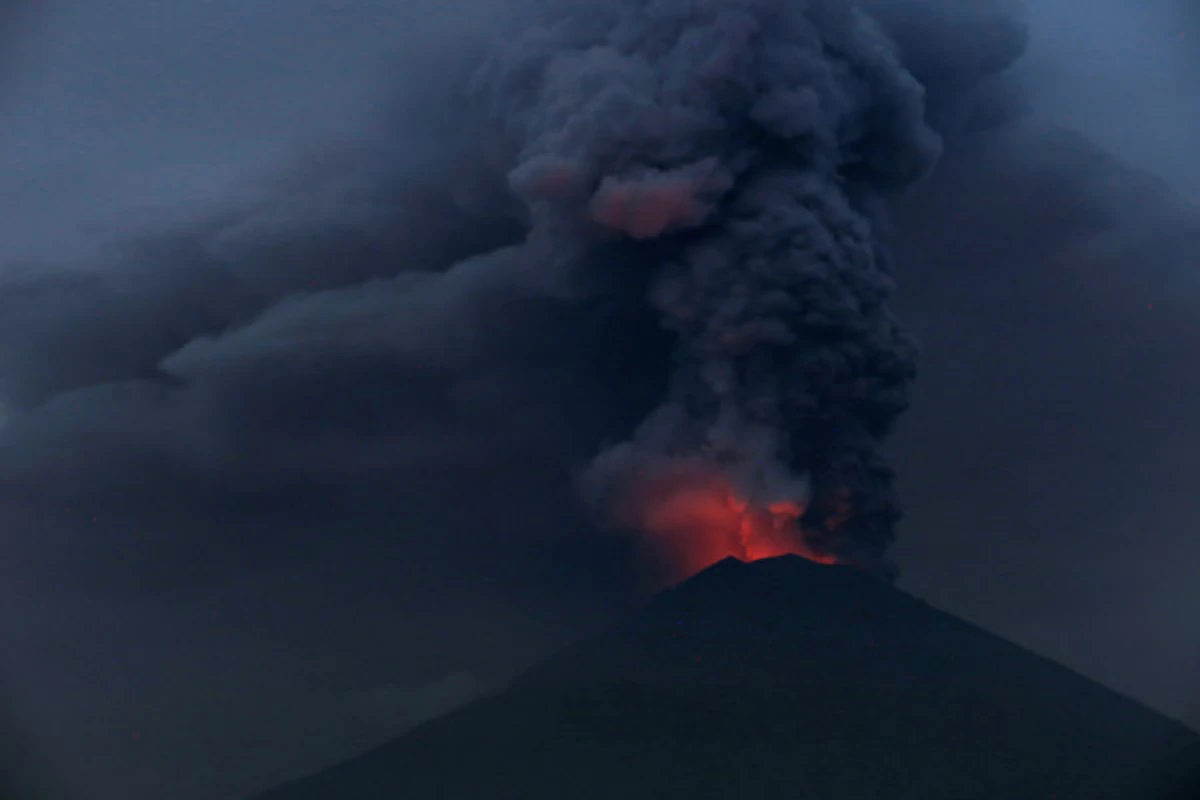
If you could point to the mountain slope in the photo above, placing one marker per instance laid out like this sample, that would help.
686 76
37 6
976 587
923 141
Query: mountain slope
783 678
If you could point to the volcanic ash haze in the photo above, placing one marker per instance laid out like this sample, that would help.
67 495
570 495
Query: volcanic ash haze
634 240
730 154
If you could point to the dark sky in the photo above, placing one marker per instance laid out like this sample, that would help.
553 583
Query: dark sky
265 503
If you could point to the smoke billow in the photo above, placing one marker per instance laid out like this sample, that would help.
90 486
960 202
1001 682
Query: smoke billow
746 144
636 246
654 223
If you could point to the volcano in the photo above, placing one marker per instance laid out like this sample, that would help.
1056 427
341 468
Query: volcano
783 678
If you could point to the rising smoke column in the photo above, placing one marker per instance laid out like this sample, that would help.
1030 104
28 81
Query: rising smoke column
743 145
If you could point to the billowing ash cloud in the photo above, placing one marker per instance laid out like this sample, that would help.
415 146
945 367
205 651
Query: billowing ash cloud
336 427
654 223
761 133
749 141
747 145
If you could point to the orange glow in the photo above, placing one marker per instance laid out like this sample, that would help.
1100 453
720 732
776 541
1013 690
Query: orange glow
695 519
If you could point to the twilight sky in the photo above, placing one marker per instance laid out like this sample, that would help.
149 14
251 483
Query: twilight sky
260 511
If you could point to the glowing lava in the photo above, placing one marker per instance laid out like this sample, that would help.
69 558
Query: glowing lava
696 519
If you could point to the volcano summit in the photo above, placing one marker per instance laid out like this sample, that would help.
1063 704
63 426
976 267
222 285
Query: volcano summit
784 678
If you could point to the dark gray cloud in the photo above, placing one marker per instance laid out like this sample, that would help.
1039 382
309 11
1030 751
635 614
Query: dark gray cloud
262 457
748 144
279 354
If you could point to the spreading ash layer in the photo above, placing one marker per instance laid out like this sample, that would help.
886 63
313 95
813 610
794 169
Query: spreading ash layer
738 148
635 244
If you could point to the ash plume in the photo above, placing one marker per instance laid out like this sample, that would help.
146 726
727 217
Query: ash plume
747 144
654 223
339 425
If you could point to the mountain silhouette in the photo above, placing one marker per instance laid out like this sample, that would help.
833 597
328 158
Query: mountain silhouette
783 678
